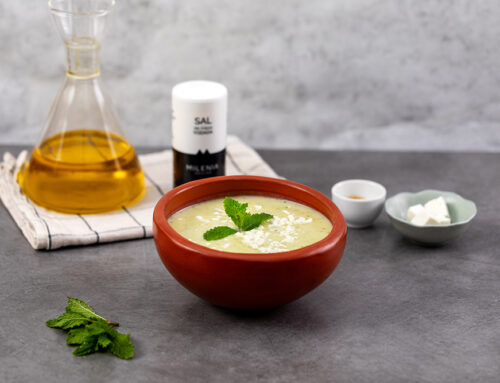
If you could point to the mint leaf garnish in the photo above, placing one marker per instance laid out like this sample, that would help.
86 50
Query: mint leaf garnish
240 217
120 345
80 307
254 220
77 336
103 342
89 346
68 320
236 211
218 232
91 332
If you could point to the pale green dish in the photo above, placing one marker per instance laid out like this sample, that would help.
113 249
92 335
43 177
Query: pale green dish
462 211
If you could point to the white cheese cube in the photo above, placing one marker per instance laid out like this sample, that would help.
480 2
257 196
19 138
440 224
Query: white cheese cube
437 208
421 218
434 212
438 220
414 210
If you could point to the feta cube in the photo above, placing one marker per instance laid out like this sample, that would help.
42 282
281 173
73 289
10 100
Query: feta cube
438 220
421 219
434 212
437 208
414 210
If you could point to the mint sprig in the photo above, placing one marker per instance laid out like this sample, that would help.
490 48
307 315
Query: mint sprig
243 220
91 332
218 232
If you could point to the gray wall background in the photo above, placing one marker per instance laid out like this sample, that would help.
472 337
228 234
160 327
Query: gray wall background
332 74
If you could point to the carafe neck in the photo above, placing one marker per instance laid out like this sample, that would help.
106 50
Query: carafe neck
83 58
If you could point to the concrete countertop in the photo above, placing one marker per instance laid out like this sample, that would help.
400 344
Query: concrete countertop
391 311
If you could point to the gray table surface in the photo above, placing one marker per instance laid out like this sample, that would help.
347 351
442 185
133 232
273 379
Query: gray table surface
391 311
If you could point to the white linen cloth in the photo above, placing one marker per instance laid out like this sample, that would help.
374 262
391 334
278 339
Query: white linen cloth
49 230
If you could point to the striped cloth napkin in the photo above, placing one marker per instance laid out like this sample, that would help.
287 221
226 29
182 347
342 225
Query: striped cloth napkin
49 230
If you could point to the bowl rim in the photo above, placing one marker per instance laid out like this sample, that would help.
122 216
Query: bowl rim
430 227
339 226
336 194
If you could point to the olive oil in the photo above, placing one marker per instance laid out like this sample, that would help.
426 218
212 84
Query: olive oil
354 196
83 171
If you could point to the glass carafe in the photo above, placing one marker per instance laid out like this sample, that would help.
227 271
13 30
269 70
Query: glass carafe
82 163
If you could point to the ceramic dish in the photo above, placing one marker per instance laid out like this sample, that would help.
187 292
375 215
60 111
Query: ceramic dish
462 211
247 281
360 201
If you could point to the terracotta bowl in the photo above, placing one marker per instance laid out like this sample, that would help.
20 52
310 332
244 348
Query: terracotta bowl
247 281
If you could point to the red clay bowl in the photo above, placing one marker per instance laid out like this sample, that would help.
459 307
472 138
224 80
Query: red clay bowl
247 281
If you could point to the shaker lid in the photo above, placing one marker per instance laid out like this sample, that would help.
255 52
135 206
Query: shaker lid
199 91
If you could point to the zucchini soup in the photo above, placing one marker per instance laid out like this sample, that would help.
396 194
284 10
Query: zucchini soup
291 227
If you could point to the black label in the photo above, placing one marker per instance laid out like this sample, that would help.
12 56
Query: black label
190 167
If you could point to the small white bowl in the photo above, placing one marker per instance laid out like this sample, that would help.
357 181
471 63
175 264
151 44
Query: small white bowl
360 201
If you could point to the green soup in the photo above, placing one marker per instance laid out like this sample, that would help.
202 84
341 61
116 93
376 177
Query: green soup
293 225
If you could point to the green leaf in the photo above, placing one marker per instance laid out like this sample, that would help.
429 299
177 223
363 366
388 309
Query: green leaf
121 345
254 220
91 332
77 336
67 320
98 328
103 341
218 232
236 211
82 308
89 346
